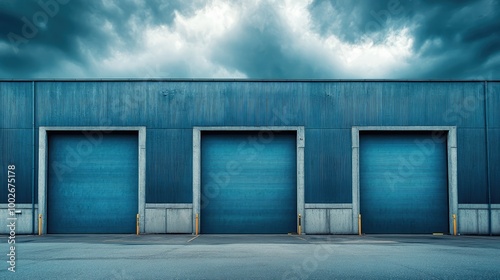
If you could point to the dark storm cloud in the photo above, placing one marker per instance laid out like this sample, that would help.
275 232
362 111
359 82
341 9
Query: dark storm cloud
352 21
72 38
452 39
37 37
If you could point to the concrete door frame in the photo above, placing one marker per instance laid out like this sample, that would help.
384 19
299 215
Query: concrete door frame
300 142
451 162
43 163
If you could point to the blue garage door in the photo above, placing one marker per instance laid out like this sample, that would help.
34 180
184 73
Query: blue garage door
403 183
248 182
92 183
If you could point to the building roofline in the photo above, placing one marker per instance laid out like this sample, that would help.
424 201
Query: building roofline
242 80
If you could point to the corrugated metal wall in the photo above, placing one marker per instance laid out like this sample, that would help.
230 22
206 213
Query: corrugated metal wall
328 110
413 202
169 175
494 139
16 138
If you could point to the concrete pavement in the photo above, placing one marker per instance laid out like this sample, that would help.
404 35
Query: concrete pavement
253 257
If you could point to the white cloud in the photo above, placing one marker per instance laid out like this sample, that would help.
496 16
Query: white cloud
371 60
363 60
183 49
180 50
256 39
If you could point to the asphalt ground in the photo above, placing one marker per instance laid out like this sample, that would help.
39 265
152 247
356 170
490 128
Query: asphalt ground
252 257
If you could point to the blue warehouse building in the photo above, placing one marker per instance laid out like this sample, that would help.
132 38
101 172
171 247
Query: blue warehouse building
250 156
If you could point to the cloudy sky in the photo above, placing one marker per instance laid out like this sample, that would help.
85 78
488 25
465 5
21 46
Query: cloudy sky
255 39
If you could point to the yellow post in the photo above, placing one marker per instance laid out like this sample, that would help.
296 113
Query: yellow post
196 224
300 225
39 224
454 224
137 225
359 224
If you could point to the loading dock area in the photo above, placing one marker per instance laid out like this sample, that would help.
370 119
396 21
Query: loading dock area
92 179
404 179
248 188
230 156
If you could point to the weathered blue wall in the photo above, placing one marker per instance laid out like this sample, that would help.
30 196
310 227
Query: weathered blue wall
169 161
328 110
494 139
16 138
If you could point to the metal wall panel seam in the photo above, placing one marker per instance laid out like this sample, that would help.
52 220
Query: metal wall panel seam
244 80
487 153
33 159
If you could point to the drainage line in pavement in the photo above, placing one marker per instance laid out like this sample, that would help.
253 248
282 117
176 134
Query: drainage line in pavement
193 238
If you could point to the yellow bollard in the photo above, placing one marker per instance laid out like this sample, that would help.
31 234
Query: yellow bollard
196 224
300 225
359 225
454 224
137 225
39 224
